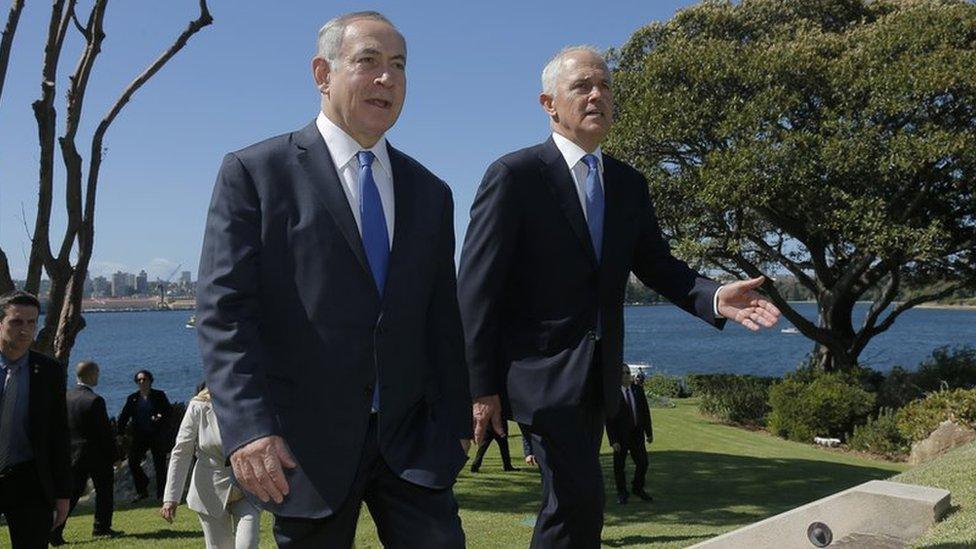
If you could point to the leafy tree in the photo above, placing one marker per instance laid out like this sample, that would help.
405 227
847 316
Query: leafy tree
66 265
835 140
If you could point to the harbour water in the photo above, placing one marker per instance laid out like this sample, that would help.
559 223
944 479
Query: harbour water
665 337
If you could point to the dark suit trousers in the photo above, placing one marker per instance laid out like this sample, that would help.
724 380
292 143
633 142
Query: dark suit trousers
29 516
632 444
406 515
156 445
103 479
483 448
566 443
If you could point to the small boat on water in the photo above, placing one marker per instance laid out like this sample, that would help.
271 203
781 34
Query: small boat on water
191 322
790 330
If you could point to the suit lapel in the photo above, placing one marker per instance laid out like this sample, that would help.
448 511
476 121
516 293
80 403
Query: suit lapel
563 187
405 207
614 204
34 398
323 179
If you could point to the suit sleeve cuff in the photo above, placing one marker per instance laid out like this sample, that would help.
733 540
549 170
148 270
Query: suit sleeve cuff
715 303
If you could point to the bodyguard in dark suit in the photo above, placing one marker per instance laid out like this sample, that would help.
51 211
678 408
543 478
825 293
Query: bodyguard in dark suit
327 314
150 412
627 430
543 271
35 476
93 450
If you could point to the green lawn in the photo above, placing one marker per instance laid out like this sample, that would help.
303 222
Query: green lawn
956 472
706 479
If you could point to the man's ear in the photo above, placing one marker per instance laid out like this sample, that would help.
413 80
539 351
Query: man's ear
548 105
320 73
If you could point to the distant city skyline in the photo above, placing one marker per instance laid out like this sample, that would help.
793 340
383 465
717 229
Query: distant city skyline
473 83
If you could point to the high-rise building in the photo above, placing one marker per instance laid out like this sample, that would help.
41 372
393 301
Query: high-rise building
101 287
185 278
120 284
142 283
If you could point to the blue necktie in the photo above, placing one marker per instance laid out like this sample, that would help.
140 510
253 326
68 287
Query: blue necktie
376 239
594 203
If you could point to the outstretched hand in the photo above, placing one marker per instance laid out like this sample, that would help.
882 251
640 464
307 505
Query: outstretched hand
739 301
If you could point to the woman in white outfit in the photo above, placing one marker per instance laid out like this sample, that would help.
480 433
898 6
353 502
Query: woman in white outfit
229 521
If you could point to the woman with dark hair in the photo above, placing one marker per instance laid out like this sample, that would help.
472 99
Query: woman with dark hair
149 410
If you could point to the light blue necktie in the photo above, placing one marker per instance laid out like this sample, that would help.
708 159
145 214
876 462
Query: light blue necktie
594 203
594 215
376 239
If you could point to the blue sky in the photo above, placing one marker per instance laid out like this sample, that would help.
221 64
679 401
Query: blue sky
473 82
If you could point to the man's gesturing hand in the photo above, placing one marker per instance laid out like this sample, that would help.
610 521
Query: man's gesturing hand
258 467
487 410
738 301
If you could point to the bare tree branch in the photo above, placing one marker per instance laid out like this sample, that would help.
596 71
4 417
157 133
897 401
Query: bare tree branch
70 320
46 119
790 265
75 102
7 42
884 299
6 281
906 305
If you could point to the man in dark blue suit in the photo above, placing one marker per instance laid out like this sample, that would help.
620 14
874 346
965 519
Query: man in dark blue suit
328 317
555 231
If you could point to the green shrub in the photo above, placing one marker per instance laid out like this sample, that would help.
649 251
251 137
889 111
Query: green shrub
880 435
917 420
946 369
898 389
663 385
733 398
829 406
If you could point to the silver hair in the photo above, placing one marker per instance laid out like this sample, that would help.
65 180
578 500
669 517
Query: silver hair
330 35
550 73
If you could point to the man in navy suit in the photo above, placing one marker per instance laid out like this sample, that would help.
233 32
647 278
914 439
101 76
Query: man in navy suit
627 431
35 464
328 317
555 231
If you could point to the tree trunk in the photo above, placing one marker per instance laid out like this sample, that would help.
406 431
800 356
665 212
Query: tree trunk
835 315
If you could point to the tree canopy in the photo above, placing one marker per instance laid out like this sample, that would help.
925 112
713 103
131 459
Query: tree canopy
834 140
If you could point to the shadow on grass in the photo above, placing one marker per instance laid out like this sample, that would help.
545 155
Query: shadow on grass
688 487
628 541
158 535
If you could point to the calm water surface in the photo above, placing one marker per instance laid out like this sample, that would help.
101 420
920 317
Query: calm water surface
665 337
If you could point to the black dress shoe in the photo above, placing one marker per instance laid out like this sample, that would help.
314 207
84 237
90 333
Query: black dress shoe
622 499
643 495
107 532
510 468
56 540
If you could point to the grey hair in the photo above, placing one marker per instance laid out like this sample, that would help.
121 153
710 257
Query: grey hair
550 73
330 35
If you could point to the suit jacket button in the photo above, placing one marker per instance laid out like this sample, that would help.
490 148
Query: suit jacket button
591 335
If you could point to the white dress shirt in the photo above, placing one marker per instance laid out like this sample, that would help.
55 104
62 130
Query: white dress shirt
343 149
573 155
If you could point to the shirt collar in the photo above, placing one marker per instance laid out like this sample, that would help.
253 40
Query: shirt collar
573 153
343 148
18 364
80 384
